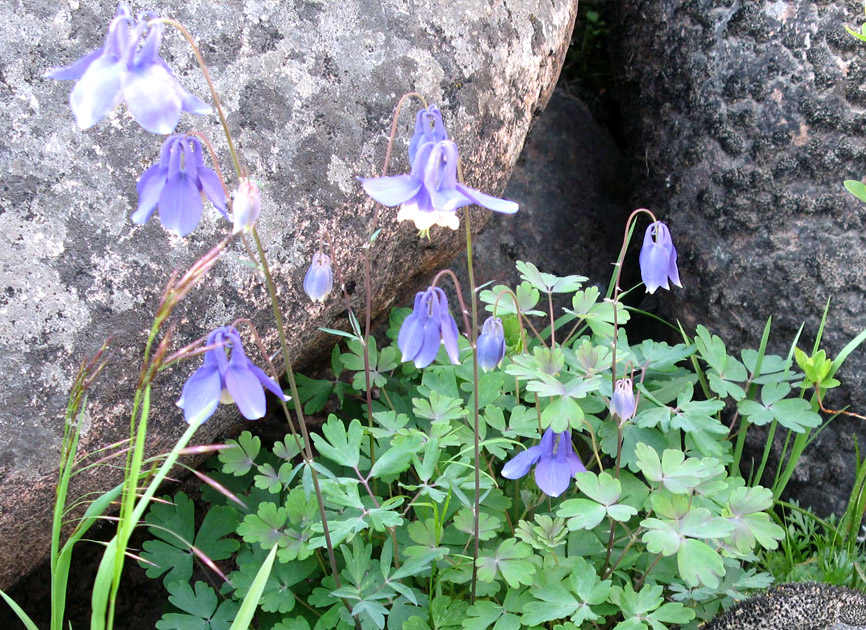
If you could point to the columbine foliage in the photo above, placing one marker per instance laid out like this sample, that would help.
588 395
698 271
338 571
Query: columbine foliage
662 541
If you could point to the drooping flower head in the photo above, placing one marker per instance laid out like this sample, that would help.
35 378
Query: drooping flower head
658 258
430 195
120 71
491 344
319 278
246 206
555 463
227 375
429 324
178 184
622 403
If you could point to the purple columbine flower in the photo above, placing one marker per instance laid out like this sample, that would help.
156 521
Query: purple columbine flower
319 279
555 463
658 258
120 71
246 206
622 404
431 194
226 379
429 324
178 184
491 344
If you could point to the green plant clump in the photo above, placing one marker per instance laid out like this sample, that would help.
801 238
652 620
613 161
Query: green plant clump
661 530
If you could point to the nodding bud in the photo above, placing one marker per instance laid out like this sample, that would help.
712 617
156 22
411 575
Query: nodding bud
247 205
491 344
319 278
622 402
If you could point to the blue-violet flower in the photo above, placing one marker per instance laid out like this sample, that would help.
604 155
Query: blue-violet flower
226 379
555 463
319 278
120 71
246 206
491 344
431 194
429 324
622 403
658 258
177 185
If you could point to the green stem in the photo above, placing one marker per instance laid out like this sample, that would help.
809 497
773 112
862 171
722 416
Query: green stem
290 374
473 342
213 92
738 447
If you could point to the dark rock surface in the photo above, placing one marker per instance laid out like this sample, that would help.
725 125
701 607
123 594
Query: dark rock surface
310 88
571 182
744 119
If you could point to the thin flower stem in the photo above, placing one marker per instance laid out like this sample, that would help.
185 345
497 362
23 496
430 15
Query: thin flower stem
394 122
366 483
213 92
615 290
552 320
278 320
649 569
469 328
275 375
473 342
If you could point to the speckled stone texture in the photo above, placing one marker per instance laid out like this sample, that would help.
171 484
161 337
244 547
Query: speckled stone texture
745 118
310 87
800 606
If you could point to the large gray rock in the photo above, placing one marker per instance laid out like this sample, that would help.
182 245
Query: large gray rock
745 117
310 87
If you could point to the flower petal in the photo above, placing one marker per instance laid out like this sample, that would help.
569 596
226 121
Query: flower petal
267 381
655 273
411 334
98 91
430 344
246 390
491 203
149 187
551 476
673 271
391 191
201 394
448 200
448 328
180 205
425 219
194 105
213 189
154 98
75 69
519 465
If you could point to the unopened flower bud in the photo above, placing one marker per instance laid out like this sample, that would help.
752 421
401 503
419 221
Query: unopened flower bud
491 344
319 278
247 205
622 402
